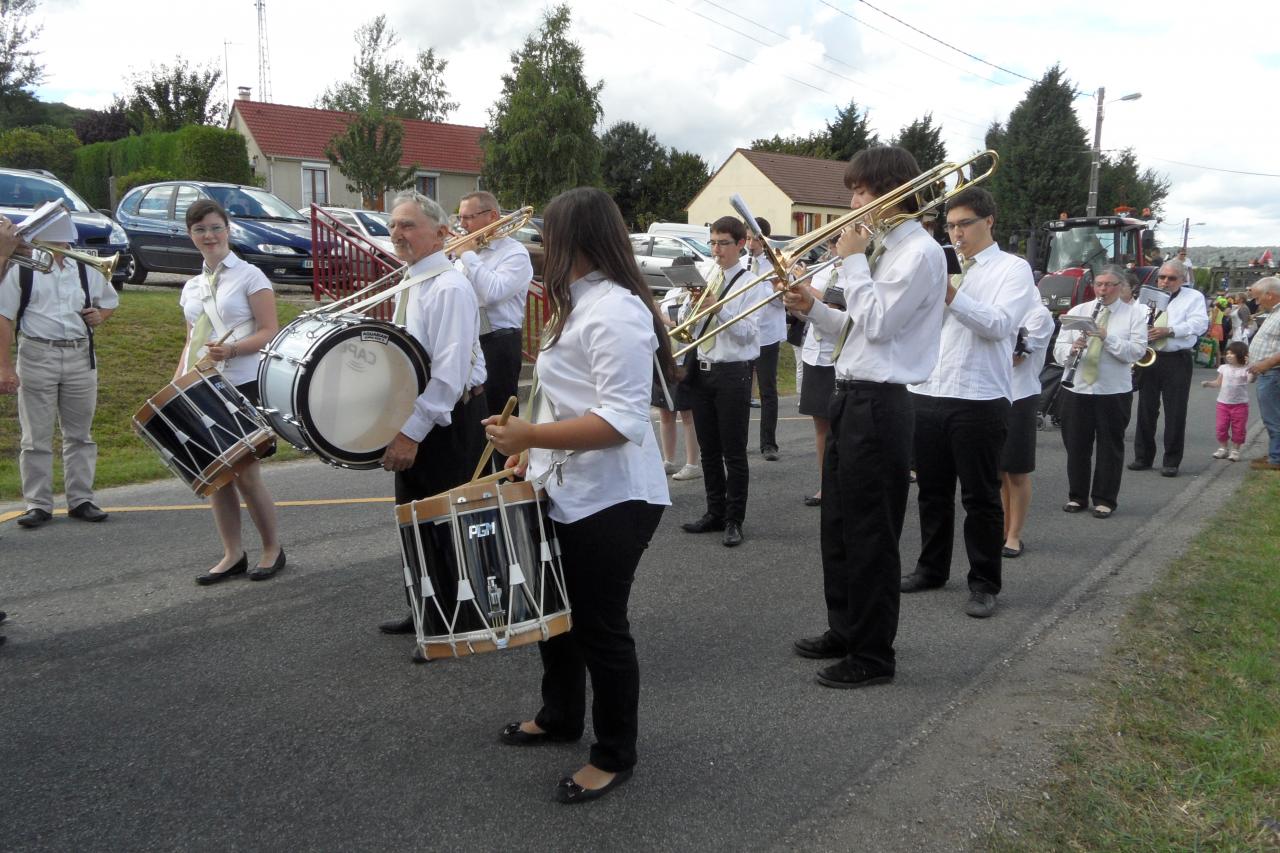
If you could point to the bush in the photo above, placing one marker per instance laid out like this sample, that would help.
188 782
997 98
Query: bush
145 175
39 147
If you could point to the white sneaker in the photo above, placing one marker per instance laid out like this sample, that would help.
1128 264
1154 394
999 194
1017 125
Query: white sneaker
1234 456
670 468
688 472
1220 453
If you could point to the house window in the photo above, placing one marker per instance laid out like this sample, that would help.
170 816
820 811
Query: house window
315 184
427 184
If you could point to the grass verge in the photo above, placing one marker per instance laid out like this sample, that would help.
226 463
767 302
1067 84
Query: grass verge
1183 749
137 349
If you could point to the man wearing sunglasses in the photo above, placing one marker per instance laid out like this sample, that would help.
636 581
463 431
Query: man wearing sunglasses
1173 335
500 274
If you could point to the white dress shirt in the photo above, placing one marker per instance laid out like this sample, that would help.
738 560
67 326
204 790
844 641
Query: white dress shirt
819 345
56 301
442 314
1026 374
741 341
979 328
773 317
1124 344
896 315
236 281
500 274
602 364
1188 318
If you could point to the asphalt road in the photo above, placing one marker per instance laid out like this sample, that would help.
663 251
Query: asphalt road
140 711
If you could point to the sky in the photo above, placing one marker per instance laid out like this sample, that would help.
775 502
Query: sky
711 75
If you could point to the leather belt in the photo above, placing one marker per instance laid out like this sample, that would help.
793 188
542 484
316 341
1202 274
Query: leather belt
73 342
500 333
705 365
866 385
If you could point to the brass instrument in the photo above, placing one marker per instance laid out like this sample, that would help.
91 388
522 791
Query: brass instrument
929 189
41 257
1148 358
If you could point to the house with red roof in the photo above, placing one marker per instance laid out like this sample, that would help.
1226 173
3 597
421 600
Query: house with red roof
286 148
796 194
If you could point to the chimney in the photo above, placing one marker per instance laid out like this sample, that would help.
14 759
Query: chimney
242 93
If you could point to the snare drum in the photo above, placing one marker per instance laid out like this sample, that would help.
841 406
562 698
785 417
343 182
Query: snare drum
341 386
483 571
204 430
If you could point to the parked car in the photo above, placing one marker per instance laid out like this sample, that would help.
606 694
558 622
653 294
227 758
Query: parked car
701 233
373 225
655 252
22 191
265 231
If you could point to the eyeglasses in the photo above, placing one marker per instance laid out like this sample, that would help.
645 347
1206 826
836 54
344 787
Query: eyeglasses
1168 278
1105 282
963 223
467 217
201 230
714 243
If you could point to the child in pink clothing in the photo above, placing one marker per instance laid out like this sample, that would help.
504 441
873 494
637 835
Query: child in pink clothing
1233 400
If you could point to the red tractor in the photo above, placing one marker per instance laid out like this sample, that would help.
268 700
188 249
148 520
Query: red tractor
1066 253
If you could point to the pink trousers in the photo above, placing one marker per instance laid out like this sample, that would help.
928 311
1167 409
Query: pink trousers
1231 420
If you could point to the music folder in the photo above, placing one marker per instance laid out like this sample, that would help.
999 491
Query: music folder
684 276
1078 324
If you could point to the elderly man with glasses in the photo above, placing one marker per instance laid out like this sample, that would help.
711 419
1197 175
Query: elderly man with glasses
1264 362
1173 335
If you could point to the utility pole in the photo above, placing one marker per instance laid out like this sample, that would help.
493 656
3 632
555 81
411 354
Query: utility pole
1186 232
264 59
1092 208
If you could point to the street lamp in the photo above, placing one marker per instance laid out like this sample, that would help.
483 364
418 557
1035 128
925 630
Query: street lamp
1092 209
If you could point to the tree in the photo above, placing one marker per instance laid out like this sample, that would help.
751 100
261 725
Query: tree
849 133
816 144
102 125
1121 183
541 136
39 147
924 140
19 71
1044 158
369 153
994 137
630 157
673 186
380 84
168 97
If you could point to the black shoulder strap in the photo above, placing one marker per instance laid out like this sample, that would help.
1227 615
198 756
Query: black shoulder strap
26 278
88 303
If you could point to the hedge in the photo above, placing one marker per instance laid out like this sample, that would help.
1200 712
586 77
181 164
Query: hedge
195 152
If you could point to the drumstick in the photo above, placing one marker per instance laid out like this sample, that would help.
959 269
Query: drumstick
205 362
488 447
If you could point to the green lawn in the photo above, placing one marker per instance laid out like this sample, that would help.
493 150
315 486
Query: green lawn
1183 750
137 349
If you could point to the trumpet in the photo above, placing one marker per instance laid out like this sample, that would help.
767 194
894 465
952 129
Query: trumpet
929 190
41 256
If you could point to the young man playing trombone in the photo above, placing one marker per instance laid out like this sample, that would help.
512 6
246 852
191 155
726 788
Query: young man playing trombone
886 338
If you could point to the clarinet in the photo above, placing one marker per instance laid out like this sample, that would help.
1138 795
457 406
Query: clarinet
1069 375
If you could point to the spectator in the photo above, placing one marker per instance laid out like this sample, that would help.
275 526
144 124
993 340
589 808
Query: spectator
1265 347
1233 400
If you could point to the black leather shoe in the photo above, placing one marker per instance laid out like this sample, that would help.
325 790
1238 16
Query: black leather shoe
569 792
916 582
770 454
826 645
513 735
3 616
239 568
1169 471
34 518
261 573
732 534
1012 553
706 524
846 676
813 500
980 605
398 626
1139 466
87 512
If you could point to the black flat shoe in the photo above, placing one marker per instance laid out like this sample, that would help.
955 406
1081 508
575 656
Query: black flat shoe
1012 553
261 573
1072 506
569 792
398 626
513 735
1139 466
240 567
813 500
87 512
732 534
847 676
34 518
1102 511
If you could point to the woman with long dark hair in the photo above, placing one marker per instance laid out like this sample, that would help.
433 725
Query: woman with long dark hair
591 441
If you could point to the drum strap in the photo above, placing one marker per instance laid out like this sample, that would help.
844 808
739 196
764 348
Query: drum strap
209 302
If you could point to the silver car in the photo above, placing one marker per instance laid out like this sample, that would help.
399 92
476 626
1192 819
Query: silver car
655 252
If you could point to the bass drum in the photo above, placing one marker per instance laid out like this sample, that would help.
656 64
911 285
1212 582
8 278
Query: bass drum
341 386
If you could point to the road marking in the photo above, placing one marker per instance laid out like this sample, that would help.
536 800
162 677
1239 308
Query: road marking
10 516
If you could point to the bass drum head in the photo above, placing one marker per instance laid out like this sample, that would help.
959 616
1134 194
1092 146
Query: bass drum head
358 389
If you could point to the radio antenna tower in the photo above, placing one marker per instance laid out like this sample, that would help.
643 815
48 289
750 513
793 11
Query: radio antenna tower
264 59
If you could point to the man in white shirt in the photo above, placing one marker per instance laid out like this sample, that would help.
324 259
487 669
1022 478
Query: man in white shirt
718 374
500 274
886 337
773 330
441 442
56 376
1174 335
1099 400
961 409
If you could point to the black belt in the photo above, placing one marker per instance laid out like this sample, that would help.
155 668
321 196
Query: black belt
867 386
704 365
73 342
500 333
1161 352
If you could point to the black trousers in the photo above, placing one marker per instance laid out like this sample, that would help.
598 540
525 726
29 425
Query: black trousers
766 370
502 359
447 457
721 400
1092 421
1166 382
864 501
961 440
600 554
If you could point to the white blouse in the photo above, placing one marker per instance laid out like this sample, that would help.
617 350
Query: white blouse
602 364
236 281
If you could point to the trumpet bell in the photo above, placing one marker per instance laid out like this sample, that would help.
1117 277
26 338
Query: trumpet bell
106 266
1148 358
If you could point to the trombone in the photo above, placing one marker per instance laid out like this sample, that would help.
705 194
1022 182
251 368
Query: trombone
929 190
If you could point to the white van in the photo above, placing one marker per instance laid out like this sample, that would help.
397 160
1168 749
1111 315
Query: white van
681 229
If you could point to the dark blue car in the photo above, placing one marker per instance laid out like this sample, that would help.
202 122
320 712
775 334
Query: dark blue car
265 231
22 191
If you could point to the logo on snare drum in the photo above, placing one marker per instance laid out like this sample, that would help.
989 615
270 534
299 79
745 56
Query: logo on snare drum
377 337
359 358
479 531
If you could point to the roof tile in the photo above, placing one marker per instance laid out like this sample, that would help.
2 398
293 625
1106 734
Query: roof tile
805 180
